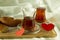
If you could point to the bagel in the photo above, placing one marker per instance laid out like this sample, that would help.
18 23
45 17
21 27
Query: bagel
9 21
3 28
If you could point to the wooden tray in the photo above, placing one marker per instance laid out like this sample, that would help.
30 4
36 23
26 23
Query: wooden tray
50 34
38 35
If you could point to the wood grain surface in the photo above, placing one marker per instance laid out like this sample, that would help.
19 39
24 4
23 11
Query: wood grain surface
42 33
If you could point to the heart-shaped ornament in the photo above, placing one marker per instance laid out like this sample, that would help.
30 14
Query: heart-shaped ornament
48 26
20 32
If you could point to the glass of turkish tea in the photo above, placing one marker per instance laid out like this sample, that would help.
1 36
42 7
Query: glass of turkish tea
28 22
40 15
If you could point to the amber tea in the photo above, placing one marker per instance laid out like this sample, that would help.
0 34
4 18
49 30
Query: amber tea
28 23
40 15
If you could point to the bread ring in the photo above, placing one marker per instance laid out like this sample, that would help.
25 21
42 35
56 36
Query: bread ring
3 28
9 21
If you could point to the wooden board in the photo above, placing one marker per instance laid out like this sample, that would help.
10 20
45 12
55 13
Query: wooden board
50 34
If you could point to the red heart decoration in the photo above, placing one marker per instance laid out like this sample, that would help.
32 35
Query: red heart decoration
20 32
47 27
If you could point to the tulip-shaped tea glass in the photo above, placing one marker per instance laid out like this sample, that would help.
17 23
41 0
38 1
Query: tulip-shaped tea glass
29 23
40 15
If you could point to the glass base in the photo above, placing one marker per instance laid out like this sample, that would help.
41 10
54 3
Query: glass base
37 29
